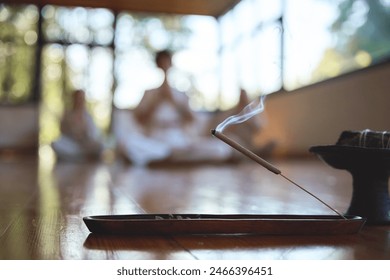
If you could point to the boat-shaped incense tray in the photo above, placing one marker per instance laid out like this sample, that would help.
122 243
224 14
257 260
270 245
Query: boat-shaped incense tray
210 224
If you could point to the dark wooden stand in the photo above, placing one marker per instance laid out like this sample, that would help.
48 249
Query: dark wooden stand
370 169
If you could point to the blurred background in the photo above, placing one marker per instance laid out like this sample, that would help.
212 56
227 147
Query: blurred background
324 65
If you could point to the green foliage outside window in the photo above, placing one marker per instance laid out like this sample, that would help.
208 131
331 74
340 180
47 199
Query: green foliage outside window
18 43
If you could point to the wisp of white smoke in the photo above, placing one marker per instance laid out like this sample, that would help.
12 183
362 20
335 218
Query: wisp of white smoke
252 109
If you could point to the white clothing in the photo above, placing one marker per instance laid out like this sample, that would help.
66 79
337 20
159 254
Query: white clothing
166 136
80 138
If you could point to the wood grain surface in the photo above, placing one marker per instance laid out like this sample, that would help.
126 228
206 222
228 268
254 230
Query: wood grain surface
42 206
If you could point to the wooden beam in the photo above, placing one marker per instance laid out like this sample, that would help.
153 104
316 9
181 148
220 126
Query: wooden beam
213 8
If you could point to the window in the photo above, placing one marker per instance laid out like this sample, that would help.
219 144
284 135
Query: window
77 53
18 46
192 39
269 45
261 46
251 50
342 36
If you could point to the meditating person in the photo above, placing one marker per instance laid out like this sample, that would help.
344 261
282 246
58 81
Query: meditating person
169 130
80 139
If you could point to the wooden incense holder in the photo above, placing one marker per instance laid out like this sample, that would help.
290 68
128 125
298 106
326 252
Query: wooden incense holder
249 224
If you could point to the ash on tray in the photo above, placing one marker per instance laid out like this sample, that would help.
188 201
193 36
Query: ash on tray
172 217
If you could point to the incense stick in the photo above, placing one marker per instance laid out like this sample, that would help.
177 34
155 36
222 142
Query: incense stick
267 165
246 152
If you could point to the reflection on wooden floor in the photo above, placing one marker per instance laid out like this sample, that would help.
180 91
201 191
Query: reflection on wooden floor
42 205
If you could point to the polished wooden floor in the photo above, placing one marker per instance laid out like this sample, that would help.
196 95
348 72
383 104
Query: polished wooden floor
42 205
